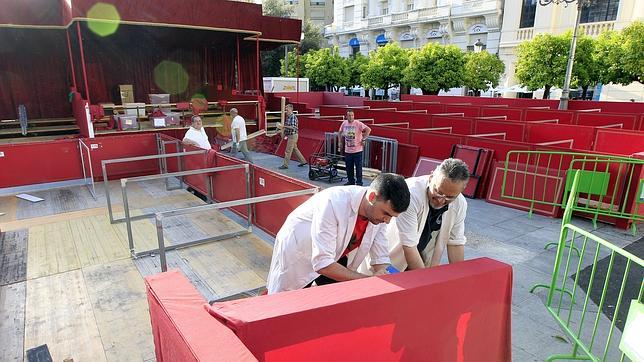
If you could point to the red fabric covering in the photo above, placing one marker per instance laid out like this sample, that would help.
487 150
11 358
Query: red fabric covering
181 327
457 312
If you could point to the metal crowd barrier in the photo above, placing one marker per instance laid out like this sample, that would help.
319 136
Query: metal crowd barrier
105 163
207 171
160 216
163 162
89 181
591 334
388 151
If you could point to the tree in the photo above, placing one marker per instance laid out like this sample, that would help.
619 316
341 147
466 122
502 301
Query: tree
355 67
385 67
313 37
435 67
585 70
609 57
271 58
482 71
325 68
293 65
541 62
633 47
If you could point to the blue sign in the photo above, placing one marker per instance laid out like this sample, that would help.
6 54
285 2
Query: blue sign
354 43
381 39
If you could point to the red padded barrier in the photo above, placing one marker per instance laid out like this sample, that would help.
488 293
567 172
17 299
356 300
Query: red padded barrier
619 142
327 110
270 215
628 121
613 107
468 111
402 135
460 125
384 318
430 107
319 124
425 166
198 182
513 114
406 160
39 162
564 117
339 98
582 136
400 106
527 187
416 120
500 147
182 328
514 131
435 144
120 146
222 181
478 162
308 142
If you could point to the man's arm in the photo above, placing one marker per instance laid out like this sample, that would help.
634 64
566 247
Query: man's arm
380 269
455 253
366 131
189 142
337 272
414 260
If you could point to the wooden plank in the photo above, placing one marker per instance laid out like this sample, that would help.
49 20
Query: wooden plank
224 273
214 223
59 314
253 252
149 265
12 321
144 233
117 294
27 223
8 206
50 250
13 256
96 241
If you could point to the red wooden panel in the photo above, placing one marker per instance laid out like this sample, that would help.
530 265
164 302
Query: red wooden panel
629 121
406 160
500 147
426 165
435 144
468 111
582 136
401 106
619 142
513 114
308 142
222 181
121 146
430 107
460 125
403 135
564 117
514 131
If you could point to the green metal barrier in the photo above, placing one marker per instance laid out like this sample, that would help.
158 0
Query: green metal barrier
606 183
590 332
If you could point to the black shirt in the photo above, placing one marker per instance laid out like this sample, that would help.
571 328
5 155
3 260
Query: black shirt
433 223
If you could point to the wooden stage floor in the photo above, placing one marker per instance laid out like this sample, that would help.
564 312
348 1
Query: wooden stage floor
67 280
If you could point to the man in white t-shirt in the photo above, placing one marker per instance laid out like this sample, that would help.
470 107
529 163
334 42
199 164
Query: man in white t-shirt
238 128
196 135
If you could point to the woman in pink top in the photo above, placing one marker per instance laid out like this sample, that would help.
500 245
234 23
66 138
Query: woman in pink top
353 135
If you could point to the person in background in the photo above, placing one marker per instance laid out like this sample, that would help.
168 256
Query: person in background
290 131
238 129
315 242
353 135
196 136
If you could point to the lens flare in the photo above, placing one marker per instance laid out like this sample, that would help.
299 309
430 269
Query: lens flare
103 19
171 77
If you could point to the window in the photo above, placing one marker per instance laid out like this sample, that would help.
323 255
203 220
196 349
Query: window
364 12
348 14
318 2
384 7
410 5
528 11
599 10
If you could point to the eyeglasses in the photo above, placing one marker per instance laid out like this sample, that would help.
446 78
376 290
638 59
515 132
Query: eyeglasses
439 195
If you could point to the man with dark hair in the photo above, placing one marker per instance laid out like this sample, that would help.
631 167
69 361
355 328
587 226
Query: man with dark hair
434 220
316 240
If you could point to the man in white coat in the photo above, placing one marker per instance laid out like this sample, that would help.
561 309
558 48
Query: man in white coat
434 221
196 135
325 239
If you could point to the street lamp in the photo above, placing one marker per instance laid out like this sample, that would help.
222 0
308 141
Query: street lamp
565 93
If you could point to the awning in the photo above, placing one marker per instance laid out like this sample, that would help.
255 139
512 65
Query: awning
354 42
381 39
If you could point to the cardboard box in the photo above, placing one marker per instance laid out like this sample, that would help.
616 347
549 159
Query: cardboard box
127 93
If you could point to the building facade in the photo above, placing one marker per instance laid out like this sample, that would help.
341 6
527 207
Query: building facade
318 12
524 19
363 25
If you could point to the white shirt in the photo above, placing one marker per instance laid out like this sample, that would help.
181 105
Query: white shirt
199 137
407 228
316 234
239 123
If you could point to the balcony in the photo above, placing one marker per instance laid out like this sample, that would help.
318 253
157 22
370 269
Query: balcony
400 17
435 12
379 20
475 7
594 29
524 34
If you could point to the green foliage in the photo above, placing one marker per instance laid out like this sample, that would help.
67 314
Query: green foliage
313 37
482 70
385 67
541 62
435 67
609 57
293 65
355 66
271 60
325 68
277 8
633 47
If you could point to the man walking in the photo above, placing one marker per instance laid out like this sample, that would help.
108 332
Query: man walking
290 131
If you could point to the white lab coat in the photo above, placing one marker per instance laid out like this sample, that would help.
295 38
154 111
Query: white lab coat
407 228
198 136
316 234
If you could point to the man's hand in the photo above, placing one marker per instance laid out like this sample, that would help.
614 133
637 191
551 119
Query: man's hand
340 273
380 269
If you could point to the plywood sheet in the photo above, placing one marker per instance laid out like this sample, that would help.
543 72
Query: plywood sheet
13 256
224 273
252 251
12 321
51 250
97 241
144 234
59 314
8 205
117 294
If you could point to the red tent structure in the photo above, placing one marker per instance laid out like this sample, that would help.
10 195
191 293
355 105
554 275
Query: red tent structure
181 47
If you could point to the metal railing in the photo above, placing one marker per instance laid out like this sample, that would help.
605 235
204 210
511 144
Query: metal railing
388 151
590 332
207 173
89 181
160 216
